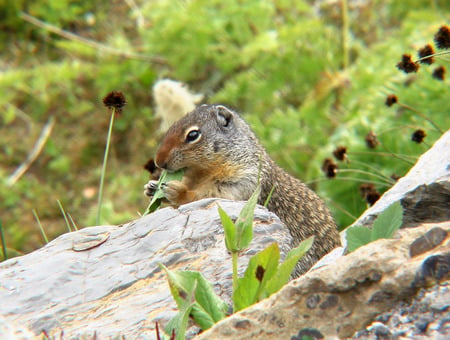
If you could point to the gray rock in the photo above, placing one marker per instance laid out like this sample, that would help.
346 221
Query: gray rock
340 299
424 191
106 279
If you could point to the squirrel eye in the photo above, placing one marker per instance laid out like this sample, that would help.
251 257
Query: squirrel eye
193 135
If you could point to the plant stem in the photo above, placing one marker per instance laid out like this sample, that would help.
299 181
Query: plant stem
389 182
234 261
5 255
343 178
437 54
420 114
44 235
64 215
105 160
388 154
374 169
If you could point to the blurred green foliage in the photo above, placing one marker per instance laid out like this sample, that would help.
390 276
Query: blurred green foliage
280 63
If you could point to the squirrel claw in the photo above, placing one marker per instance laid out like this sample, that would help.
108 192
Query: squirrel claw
150 187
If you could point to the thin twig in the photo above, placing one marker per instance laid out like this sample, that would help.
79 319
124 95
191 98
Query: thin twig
34 153
91 43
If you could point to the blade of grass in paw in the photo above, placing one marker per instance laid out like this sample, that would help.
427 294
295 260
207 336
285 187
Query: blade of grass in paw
165 177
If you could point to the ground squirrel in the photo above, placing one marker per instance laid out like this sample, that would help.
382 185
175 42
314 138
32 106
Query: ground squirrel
221 157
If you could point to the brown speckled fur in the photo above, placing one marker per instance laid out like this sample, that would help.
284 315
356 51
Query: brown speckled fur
225 162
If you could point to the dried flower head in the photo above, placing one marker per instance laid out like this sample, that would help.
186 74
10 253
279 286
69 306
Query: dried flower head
442 37
369 193
426 52
407 65
329 168
391 100
365 188
439 73
372 197
115 100
340 153
371 140
395 177
418 136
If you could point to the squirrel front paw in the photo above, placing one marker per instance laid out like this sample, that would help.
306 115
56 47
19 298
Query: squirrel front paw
177 193
150 188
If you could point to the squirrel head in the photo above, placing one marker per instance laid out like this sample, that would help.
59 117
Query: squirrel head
209 136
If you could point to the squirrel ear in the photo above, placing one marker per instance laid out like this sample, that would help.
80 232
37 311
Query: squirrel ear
224 115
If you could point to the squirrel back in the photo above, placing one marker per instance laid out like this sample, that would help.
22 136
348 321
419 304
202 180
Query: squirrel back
221 157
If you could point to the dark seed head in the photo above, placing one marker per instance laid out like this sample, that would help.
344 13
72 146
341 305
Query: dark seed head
425 52
340 153
365 188
115 100
371 140
439 73
391 100
418 136
329 168
372 197
442 37
407 65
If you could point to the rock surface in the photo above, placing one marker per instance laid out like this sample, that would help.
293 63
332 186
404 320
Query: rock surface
340 299
106 279
104 282
424 191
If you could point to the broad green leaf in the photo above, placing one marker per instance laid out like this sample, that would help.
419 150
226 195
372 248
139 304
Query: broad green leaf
207 307
357 236
180 322
185 302
388 222
244 223
285 269
180 288
165 177
250 289
229 230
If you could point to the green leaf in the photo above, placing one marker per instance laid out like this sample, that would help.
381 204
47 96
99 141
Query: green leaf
357 236
189 287
157 198
179 322
384 226
285 269
184 297
388 222
251 287
229 230
244 223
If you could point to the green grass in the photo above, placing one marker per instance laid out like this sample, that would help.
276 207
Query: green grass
284 65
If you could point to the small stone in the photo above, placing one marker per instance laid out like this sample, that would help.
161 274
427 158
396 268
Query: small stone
308 333
330 302
384 318
428 241
441 303
380 330
422 324
312 301
242 324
